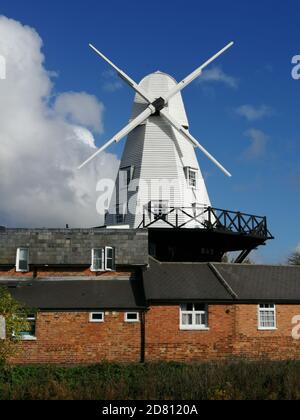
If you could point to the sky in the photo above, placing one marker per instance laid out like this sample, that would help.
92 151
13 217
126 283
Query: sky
60 101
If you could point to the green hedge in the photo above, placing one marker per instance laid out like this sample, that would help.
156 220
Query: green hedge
160 381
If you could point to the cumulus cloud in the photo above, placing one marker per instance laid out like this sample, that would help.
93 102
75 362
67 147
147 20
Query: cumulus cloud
258 140
41 145
252 113
80 108
217 74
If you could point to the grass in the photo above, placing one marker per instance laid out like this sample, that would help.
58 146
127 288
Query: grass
160 381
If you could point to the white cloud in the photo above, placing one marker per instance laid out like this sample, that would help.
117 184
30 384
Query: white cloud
258 144
80 108
112 82
216 74
252 113
41 146
298 248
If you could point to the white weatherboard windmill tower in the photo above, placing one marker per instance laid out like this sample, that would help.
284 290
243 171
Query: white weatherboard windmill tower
160 184
159 169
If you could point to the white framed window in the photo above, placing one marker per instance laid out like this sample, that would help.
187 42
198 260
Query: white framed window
98 255
132 317
159 209
191 177
103 259
30 333
267 317
193 316
22 260
97 317
109 258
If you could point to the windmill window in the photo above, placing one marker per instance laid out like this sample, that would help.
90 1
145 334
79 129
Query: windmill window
159 209
267 317
30 333
191 177
103 259
22 263
193 317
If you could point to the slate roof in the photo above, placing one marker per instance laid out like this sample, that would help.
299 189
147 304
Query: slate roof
221 282
162 282
182 281
261 282
61 294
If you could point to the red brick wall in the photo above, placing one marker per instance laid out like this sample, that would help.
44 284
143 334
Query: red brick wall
275 345
233 332
69 337
165 340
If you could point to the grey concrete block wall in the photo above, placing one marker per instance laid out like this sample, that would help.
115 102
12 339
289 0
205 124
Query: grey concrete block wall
73 246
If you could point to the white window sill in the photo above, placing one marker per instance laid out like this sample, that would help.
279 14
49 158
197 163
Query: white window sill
28 338
101 271
267 329
194 329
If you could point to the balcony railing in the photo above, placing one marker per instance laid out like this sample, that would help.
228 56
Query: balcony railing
208 218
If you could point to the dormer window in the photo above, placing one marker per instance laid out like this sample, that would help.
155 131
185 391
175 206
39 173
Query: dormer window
22 261
103 259
191 177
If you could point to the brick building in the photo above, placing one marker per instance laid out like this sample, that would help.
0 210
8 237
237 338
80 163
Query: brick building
100 296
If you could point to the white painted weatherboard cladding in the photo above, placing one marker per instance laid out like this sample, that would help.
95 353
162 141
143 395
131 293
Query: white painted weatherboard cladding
157 152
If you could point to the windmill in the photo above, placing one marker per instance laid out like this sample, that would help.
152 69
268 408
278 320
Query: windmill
160 184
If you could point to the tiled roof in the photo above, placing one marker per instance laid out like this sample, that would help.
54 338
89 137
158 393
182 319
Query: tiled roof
181 281
262 282
221 282
85 294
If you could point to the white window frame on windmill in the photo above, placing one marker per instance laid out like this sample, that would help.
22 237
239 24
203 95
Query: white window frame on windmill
191 175
22 263
105 261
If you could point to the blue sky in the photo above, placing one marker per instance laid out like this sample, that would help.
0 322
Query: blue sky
248 115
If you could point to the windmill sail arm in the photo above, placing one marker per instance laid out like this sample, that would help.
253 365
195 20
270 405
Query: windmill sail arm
124 76
189 79
188 136
121 134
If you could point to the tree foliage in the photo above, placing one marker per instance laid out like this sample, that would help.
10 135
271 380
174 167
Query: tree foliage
15 316
294 259
227 259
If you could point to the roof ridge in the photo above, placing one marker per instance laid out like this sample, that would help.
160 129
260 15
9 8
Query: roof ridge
257 265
